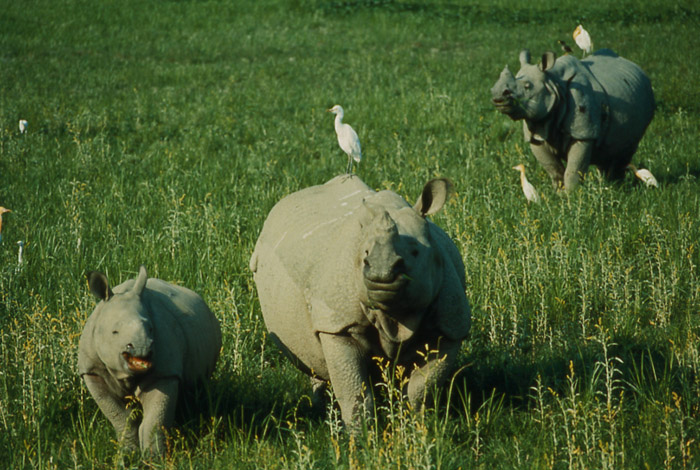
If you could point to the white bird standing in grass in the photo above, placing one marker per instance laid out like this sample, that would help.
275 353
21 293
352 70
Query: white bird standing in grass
2 211
23 126
19 252
347 138
583 39
528 189
644 175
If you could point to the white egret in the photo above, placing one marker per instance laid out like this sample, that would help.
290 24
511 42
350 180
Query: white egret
583 39
19 252
23 126
2 211
644 175
528 189
347 137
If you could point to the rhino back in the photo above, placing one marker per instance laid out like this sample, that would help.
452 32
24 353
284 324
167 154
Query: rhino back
629 93
312 226
187 334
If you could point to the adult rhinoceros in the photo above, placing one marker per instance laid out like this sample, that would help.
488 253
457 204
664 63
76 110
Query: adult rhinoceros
345 274
580 112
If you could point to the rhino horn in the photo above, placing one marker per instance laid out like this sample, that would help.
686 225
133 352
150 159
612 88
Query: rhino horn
524 57
99 285
504 86
382 224
382 262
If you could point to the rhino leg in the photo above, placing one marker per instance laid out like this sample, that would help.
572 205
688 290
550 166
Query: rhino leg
579 157
349 377
159 401
549 161
115 410
434 371
318 396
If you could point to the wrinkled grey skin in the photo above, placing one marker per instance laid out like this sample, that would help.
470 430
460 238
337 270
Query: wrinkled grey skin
345 274
581 112
146 339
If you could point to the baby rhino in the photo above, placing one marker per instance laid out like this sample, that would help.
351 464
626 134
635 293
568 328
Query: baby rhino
345 274
146 339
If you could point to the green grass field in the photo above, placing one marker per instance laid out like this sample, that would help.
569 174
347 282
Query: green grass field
162 133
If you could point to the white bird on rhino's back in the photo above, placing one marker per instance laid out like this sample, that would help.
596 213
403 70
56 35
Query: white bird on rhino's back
583 39
347 137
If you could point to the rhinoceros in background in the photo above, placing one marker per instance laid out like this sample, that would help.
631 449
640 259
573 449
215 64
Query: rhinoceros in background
345 274
586 111
145 339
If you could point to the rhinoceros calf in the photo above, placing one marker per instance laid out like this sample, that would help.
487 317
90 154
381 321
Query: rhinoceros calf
580 112
145 339
345 274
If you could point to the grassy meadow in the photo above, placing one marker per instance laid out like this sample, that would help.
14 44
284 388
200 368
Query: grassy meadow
162 133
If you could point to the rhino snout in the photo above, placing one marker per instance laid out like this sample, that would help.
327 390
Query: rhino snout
383 266
505 97
138 359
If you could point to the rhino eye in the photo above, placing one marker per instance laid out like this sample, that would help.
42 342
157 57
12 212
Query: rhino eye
415 253
527 85
115 332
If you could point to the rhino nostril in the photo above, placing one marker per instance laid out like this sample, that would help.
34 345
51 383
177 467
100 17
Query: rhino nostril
507 92
129 347
399 267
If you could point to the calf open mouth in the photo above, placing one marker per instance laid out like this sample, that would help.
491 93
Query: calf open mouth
137 364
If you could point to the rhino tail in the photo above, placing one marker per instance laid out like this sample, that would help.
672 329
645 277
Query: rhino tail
253 264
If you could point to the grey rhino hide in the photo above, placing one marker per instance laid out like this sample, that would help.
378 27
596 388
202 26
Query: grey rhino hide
325 268
578 112
171 333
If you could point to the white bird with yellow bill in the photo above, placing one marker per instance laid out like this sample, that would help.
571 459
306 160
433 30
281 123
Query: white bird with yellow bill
528 189
347 137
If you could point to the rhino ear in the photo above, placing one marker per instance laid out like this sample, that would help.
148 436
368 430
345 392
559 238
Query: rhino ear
140 281
99 285
548 59
524 57
435 193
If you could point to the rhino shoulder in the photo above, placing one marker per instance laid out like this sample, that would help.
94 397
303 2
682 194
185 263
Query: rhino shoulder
448 250
187 334
334 319
88 361
451 308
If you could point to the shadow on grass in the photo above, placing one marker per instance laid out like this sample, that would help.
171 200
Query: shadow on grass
265 406
644 372
248 406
